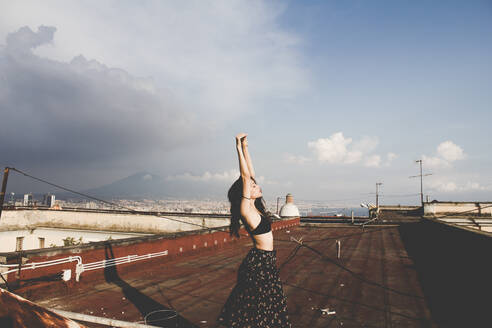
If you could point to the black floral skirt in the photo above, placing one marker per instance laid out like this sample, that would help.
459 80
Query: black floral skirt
258 299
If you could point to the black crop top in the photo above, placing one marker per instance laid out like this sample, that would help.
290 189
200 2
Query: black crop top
264 226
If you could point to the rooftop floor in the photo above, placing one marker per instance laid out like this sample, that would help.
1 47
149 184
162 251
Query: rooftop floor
373 284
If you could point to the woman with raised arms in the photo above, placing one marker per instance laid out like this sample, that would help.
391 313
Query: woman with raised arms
258 299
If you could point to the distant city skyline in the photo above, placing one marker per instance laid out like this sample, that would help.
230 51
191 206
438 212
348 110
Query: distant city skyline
335 95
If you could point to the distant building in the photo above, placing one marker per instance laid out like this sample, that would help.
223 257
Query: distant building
27 200
49 200
91 205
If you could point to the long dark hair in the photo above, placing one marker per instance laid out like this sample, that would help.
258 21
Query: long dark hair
235 194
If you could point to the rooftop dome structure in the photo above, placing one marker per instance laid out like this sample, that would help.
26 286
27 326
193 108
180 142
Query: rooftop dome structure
289 210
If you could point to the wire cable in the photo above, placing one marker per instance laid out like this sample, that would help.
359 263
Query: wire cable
104 201
356 275
291 256
340 237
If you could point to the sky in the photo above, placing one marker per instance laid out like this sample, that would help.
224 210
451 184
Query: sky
335 95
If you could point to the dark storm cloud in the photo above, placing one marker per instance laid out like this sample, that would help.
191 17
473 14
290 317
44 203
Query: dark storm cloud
58 114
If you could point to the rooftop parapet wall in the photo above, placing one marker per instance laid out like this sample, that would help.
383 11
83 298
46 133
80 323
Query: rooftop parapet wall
124 221
397 213
458 208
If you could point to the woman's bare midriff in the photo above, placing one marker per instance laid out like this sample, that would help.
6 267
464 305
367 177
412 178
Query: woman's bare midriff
264 241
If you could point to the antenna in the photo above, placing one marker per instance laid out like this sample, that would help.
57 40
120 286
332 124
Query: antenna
421 181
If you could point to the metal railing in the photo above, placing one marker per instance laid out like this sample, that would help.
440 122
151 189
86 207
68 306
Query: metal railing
80 267
115 261
37 265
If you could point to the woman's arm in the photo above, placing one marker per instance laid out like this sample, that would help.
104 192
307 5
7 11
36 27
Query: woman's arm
247 157
247 205
243 165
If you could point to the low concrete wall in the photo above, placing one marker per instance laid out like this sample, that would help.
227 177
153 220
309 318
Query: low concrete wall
397 213
41 237
465 208
143 222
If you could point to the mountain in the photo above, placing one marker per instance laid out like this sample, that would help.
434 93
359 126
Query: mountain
140 185
147 185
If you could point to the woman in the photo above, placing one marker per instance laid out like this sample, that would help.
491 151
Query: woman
257 300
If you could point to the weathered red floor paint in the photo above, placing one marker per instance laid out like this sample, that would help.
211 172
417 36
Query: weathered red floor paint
196 286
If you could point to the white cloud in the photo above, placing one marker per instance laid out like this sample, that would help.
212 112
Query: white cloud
435 162
290 158
340 150
332 149
367 144
263 181
226 176
450 152
231 56
445 186
390 157
373 161
353 157
447 153
470 185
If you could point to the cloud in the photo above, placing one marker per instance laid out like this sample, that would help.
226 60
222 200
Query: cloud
450 151
24 40
373 161
390 157
340 150
446 186
334 149
116 88
435 162
447 153
367 144
226 176
216 57
290 158
80 112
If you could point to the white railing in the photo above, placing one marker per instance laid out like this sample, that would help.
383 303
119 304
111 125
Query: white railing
37 265
80 267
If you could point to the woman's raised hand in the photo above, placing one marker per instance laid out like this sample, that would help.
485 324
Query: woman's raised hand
241 138
241 135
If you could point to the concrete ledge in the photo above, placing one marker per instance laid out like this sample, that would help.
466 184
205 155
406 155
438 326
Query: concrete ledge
118 221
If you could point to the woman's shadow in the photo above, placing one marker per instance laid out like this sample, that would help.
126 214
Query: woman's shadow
142 302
